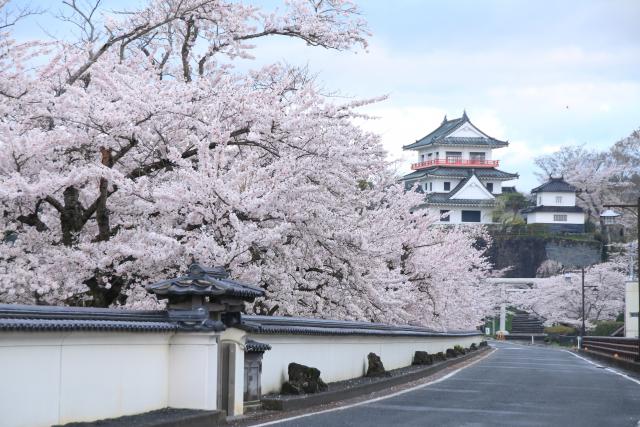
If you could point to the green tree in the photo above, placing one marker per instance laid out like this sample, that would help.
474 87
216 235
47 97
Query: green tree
509 207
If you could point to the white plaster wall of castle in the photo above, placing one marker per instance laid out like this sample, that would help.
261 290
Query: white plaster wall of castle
555 218
474 189
455 214
442 150
436 185
556 199
497 186
467 130
61 377
343 357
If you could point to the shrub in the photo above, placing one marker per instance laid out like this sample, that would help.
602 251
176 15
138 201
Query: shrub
560 330
605 328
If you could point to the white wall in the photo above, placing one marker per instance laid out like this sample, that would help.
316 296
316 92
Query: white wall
60 377
343 357
547 218
438 185
549 199
497 186
631 306
473 190
442 150
486 214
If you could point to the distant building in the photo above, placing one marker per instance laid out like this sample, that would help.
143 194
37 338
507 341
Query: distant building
556 207
456 172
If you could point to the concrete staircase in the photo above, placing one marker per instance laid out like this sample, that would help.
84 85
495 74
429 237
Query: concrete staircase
525 326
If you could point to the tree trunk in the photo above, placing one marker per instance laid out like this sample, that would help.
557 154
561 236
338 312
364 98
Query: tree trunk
71 216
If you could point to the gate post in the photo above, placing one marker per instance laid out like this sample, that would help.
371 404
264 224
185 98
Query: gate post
231 371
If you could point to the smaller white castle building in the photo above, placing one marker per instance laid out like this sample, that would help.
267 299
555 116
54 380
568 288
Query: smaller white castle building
556 207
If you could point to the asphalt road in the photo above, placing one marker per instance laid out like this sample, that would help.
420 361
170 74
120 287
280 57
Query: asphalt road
514 386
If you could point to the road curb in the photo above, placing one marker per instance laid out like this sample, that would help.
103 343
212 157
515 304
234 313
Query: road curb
167 417
290 403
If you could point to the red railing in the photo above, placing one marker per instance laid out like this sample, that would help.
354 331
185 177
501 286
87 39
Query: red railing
456 162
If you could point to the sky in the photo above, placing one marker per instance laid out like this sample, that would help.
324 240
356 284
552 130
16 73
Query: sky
541 74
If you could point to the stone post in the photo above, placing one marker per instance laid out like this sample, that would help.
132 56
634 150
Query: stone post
503 318
232 342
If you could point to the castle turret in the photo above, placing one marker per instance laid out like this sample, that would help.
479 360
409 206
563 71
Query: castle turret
456 171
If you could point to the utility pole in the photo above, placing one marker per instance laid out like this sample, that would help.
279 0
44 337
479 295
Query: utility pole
583 314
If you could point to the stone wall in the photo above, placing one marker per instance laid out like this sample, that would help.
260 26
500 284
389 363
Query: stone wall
525 254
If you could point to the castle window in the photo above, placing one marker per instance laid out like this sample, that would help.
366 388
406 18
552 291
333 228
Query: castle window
560 218
490 187
470 216
447 186
445 216
558 199
454 156
431 186
477 156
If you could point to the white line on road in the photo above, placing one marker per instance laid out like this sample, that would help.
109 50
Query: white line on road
526 359
451 390
606 369
377 399
574 369
547 385
524 364
422 408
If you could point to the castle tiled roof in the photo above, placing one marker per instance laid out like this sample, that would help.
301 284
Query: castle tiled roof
555 185
445 199
461 173
440 136
562 209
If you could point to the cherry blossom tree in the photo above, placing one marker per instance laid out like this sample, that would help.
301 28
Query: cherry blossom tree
137 149
558 299
603 177
594 173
